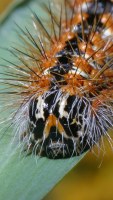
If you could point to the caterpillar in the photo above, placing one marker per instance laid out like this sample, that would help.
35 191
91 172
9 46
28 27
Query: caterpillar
61 92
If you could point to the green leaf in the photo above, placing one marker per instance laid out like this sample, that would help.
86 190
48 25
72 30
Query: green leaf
28 177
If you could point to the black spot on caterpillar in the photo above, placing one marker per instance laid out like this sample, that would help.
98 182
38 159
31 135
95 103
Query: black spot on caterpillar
63 88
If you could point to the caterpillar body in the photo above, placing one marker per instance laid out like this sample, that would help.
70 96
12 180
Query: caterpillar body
63 89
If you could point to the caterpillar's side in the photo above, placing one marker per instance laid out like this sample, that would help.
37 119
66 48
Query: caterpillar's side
61 95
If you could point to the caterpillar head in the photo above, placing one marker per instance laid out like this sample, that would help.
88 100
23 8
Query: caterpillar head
56 125
62 124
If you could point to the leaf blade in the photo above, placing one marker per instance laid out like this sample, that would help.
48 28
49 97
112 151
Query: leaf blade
30 180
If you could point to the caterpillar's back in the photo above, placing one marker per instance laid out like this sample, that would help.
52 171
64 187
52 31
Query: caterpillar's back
64 86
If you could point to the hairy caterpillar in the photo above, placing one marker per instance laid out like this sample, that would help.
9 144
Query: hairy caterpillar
63 88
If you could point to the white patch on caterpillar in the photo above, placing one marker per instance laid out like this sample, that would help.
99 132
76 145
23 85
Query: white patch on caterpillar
46 71
77 70
40 107
62 104
107 32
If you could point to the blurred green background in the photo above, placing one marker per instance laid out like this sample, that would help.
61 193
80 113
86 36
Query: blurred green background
92 179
